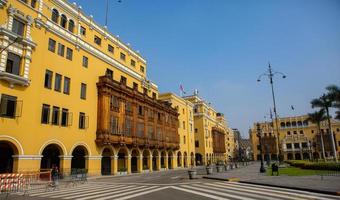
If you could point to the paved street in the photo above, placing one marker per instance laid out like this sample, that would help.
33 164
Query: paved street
169 185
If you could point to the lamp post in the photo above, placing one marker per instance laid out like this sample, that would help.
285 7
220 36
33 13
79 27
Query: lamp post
259 135
270 74
17 39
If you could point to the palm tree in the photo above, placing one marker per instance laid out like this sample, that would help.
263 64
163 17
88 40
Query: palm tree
325 102
334 93
316 118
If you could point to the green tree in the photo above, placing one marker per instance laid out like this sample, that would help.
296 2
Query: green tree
325 102
334 93
316 118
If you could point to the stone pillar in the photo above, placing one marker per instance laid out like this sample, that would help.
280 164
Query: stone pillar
150 163
140 163
65 165
166 161
174 162
114 165
94 165
128 163
158 163
26 163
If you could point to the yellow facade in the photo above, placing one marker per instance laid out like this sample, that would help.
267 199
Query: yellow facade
185 156
25 133
205 119
298 138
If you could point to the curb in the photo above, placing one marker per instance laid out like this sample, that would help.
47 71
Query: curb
223 179
295 188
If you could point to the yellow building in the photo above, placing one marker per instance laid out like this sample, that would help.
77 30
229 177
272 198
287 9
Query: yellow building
210 131
298 139
53 61
186 154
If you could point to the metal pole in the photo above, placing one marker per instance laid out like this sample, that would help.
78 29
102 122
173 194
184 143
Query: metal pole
275 112
107 10
262 169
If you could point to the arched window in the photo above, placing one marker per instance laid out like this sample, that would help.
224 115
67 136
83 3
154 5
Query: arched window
299 123
287 124
33 3
63 21
55 15
294 124
283 125
71 25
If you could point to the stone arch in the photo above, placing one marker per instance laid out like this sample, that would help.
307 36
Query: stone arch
146 159
107 154
79 158
179 159
71 25
170 159
298 156
155 158
55 15
123 154
63 21
185 157
14 142
290 156
7 162
135 155
51 157
199 159
86 146
54 141
163 159
192 158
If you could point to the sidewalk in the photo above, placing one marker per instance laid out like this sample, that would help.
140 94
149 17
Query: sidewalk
250 174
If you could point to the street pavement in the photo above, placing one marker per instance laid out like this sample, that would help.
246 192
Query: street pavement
168 185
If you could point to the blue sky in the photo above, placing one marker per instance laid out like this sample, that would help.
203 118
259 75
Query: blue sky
220 47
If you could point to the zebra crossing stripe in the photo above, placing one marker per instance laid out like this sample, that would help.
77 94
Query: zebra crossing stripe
110 193
125 193
216 192
44 192
142 193
270 193
199 193
273 191
92 191
222 189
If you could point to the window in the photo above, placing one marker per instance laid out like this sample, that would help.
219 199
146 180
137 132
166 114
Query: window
8 106
140 110
83 91
55 15
122 56
51 45
295 132
288 132
97 40
110 48
128 127
184 140
64 117
135 86
61 49
140 129
69 53
312 131
142 69
48 79
55 115
109 73
297 145
63 21
114 125
45 114
13 64
82 119
18 27
123 80
289 146
82 31
197 144
33 3
154 95
304 145
85 61
133 63
196 130
57 83
67 83
71 26
184 125
301 131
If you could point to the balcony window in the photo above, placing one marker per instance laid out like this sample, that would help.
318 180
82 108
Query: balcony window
51 45
140 129
55 115
82 120
128 127
97 40
64 117
122 56
150 131
140 110
48 79
55 15
18 27
45 114
69 53
13 64
67 83
85 61
128 108
159 134
197 144
114 125
83 91
63 21
8 106
57 83
71 26
114 103
61 49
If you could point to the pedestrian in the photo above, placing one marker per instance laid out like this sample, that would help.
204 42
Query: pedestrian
55 175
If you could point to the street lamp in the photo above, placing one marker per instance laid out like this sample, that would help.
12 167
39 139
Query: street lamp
270 74
17 39
259 135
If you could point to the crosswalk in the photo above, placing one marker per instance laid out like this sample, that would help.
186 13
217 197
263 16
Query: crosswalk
202 190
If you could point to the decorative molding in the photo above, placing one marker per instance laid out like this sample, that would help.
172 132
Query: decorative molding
28 157
94 157
13 79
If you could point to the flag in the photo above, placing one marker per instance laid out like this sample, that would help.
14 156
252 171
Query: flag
181 89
